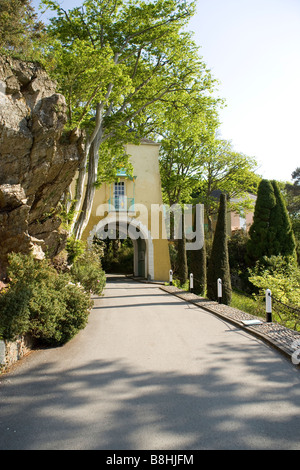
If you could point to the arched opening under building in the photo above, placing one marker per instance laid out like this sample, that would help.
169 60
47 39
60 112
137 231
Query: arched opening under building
128 247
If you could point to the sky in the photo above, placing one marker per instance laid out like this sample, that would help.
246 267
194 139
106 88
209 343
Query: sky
252 48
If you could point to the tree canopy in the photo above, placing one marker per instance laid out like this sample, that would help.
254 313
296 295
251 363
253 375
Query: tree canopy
19 28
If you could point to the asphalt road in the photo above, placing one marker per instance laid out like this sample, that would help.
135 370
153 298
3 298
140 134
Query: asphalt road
151 371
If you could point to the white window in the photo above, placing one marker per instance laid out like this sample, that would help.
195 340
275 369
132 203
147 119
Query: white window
119 189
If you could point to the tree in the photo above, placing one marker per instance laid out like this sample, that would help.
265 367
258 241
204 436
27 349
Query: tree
291 193
182 267
197 265
184 132
218 266
284 241
115 61
271 232
227 171
259 242
194 162
19 28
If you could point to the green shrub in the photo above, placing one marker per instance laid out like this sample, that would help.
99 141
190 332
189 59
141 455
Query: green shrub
42 303
75 249
87 270
282 276
249 304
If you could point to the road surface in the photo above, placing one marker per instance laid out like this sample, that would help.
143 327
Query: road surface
151 371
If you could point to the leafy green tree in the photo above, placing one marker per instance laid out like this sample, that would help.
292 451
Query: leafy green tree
115 62
227 171
184 132
19 28
218 266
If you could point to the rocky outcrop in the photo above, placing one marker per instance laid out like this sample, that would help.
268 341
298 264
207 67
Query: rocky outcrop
38 160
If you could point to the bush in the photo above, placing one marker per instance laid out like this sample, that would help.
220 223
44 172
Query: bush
75 249
282 276
42 303
87 270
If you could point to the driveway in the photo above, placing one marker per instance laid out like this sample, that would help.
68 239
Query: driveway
151 371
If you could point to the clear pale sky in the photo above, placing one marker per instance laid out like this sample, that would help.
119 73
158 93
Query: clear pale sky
252 48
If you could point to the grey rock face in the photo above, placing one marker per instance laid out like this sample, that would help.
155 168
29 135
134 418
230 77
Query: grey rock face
38 160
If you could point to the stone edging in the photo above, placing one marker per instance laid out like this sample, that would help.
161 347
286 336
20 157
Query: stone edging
12 351
274 334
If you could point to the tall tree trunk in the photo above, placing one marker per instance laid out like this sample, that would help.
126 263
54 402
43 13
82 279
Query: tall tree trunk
85 210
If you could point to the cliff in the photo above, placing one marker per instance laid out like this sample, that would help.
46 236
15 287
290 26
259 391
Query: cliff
38 160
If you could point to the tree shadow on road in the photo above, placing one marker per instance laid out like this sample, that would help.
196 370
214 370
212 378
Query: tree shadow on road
114 405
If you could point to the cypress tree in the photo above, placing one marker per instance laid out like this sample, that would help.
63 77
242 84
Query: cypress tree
271 233
260 233
182 269
197 261
197 264
218 266
284 240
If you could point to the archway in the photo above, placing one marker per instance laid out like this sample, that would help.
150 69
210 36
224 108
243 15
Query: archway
143 260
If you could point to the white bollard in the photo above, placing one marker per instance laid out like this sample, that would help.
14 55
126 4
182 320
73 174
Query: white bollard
268 305
171 277
191 282
219 284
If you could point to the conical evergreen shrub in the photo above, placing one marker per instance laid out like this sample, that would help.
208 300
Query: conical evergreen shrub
197 259
284 243
197 265
271 233
218 266
182 268
259 232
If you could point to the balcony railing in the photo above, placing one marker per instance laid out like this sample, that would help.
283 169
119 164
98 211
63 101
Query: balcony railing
121 204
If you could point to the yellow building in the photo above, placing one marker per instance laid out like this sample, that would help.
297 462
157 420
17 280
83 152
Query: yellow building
133 207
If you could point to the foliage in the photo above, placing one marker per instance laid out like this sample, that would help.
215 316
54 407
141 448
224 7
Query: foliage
282 276
20 30
40 302
271 231
183 132
248 303
237 250
218 266
87 270
118 256
284 240
291 193
226 171
75 249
